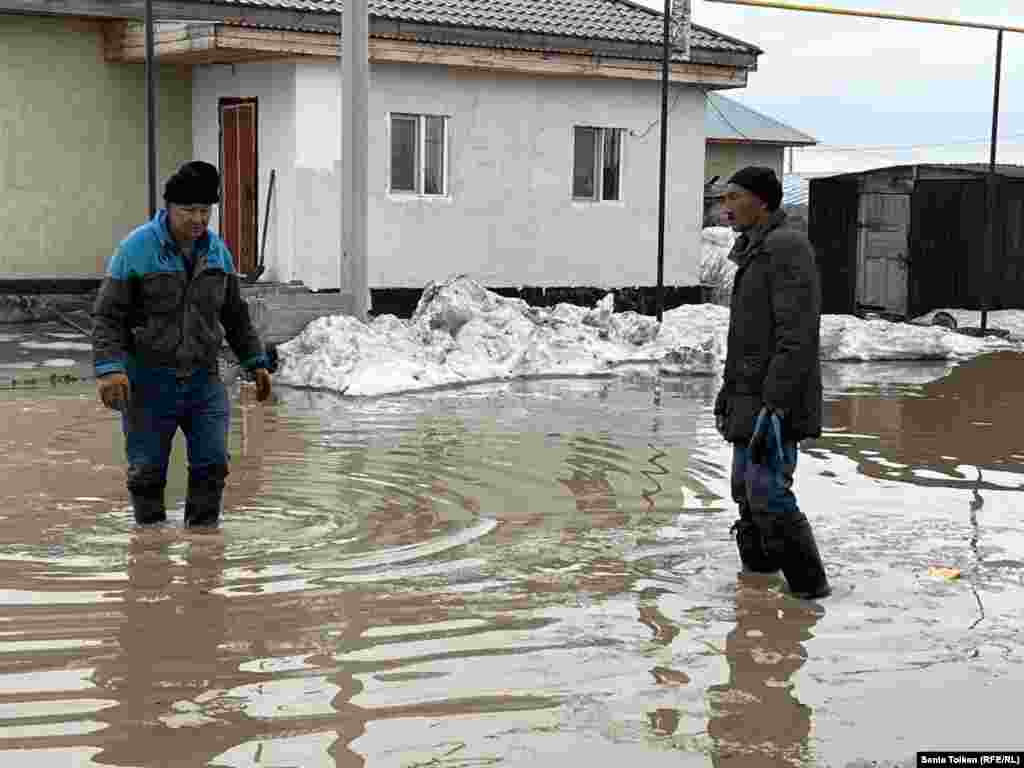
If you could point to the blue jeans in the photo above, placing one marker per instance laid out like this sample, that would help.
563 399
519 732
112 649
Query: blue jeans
160 404
766 488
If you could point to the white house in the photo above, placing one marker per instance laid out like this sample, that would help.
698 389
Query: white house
513 140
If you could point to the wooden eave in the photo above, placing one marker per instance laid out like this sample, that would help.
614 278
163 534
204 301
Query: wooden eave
205 43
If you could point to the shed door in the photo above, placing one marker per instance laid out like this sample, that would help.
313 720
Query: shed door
238 219
882 252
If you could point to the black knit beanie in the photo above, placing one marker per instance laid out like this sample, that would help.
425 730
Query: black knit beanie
762 182
195 183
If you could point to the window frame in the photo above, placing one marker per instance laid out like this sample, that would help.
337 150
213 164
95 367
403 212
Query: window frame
598 167
420 161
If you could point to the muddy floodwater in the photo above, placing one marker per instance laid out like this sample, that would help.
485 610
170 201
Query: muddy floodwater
526 574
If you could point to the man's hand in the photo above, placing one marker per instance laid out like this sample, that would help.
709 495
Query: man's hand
114 390
720 424
262 379
759 442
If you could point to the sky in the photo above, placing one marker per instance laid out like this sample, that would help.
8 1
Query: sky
858 85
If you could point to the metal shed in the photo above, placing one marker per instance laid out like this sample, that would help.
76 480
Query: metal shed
905 240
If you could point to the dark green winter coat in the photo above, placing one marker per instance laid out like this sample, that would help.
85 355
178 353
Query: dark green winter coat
774 333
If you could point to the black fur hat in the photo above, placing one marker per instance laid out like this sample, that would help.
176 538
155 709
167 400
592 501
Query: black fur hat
762 182
195 183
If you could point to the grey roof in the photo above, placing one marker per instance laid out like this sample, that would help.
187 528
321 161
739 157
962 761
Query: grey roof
728 120
1009 171
612 20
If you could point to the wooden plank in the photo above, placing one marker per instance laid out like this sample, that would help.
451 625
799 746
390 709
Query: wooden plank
546 63
527 62
400 48
330 21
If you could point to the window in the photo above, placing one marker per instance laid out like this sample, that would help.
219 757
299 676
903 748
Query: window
419 146
597 164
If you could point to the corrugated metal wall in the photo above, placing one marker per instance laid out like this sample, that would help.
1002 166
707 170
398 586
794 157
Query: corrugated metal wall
832 229
1008 277
947 236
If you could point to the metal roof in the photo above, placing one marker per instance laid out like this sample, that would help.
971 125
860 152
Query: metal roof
979 169
728 120
612 20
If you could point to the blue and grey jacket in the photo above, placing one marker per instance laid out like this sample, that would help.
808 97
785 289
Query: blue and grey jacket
150 313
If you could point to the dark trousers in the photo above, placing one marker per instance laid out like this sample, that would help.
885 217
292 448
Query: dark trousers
766 488
772 532
161 403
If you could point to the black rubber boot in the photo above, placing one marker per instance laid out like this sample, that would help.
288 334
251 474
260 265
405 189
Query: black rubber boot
756 552
149 510
801 563
146 486
205 491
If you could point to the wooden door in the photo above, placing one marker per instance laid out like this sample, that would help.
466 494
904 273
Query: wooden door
238 208
884 225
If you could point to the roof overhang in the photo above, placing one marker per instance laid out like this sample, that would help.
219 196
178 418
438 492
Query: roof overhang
712 140
212 43
264 17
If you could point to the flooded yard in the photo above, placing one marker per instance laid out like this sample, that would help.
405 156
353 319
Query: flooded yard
516 574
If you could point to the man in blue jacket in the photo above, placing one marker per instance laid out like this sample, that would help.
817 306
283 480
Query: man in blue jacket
170 296
771 396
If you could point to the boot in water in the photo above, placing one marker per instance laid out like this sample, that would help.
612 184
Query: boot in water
801 563
755 551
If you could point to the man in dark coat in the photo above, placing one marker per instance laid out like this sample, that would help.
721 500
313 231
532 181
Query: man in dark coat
170 298
771 395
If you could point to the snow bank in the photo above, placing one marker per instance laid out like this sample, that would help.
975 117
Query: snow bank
1011 320
715 268
848 338
462 333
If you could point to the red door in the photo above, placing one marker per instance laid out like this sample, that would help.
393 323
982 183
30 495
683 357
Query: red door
238 208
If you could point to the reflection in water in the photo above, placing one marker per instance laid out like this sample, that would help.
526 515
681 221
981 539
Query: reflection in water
172 627
927 435
592 462
493 575
756 719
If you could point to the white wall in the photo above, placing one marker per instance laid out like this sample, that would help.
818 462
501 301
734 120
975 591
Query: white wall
273 85
317 193
509 219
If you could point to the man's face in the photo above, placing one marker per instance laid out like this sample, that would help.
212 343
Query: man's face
188 222
743 209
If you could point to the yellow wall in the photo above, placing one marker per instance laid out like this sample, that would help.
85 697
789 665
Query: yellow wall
725 159
73 144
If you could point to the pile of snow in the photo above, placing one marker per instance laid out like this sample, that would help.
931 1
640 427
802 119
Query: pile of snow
715 268
462 333
848 338
1011 320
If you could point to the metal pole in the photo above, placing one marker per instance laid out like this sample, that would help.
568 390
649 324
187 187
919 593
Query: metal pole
151 155
355 122
664 162
992 228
